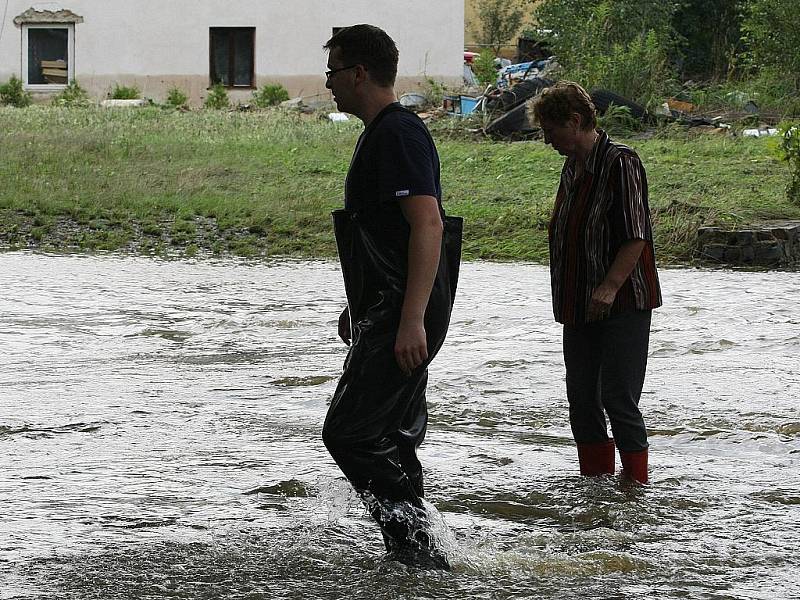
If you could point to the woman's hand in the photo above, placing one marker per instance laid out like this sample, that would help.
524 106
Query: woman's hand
604 294
603 298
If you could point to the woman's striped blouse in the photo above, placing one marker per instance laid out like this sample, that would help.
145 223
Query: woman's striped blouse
592 218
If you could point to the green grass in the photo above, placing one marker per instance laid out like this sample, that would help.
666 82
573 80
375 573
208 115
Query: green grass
264 183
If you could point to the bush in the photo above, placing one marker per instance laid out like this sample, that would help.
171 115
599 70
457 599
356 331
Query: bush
790 150
434 91
217 98
768 89
483 67
638 71
621 45
618 121
122 92
177 97
772 31
270 95
72 95
14 94
772 89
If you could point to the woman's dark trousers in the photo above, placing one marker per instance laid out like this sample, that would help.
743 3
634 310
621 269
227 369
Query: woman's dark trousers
606 362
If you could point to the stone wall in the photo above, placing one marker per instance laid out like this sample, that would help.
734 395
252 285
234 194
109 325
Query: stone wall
771 244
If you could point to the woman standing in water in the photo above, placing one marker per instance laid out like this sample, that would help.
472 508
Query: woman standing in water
604 281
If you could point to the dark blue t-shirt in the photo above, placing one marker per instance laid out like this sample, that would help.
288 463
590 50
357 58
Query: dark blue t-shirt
395 158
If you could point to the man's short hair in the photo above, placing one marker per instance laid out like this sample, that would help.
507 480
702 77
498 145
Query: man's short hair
369 46
558 103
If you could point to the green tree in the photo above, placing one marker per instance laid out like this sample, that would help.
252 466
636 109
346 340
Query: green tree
498 21
772 32
615 21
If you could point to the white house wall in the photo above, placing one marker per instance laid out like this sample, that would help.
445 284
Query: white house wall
158 44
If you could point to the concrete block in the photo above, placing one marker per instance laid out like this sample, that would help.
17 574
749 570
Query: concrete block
712 235
715 252
780 233
124 103
733 254
793 252
769 253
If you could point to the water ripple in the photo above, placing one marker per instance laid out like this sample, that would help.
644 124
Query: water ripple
161 432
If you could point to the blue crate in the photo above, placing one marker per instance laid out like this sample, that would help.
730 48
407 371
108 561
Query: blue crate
468 104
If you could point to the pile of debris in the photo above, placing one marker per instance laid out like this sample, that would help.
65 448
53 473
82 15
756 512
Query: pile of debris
500 110
504 102
502 105
318 105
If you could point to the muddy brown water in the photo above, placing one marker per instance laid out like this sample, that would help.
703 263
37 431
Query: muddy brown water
160 438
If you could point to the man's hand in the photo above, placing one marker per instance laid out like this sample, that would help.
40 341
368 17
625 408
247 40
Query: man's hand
344 325
411 345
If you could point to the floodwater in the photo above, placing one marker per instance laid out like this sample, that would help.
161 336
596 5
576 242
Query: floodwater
160 438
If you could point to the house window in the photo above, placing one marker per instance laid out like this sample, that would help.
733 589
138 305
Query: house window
47 55
233 56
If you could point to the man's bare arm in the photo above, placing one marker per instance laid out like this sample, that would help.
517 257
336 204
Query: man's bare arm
424 248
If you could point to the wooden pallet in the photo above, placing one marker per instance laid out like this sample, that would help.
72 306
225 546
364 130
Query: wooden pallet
55 71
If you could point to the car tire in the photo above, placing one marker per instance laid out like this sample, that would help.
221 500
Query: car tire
604 98
521 92
513 123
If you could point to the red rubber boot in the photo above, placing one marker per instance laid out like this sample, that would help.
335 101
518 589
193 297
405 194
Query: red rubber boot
596 458
634 465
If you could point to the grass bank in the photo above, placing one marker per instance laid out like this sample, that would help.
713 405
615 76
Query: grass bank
264 183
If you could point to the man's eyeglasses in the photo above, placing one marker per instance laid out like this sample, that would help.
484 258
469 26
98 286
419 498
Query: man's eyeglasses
332 71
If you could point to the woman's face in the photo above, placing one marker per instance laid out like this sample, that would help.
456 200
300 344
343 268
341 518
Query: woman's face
562 137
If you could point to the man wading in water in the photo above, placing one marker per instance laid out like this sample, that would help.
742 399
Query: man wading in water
399 256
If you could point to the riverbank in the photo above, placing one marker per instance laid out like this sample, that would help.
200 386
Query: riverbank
163 182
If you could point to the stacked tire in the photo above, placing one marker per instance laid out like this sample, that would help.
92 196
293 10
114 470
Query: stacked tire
512 104
602 99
